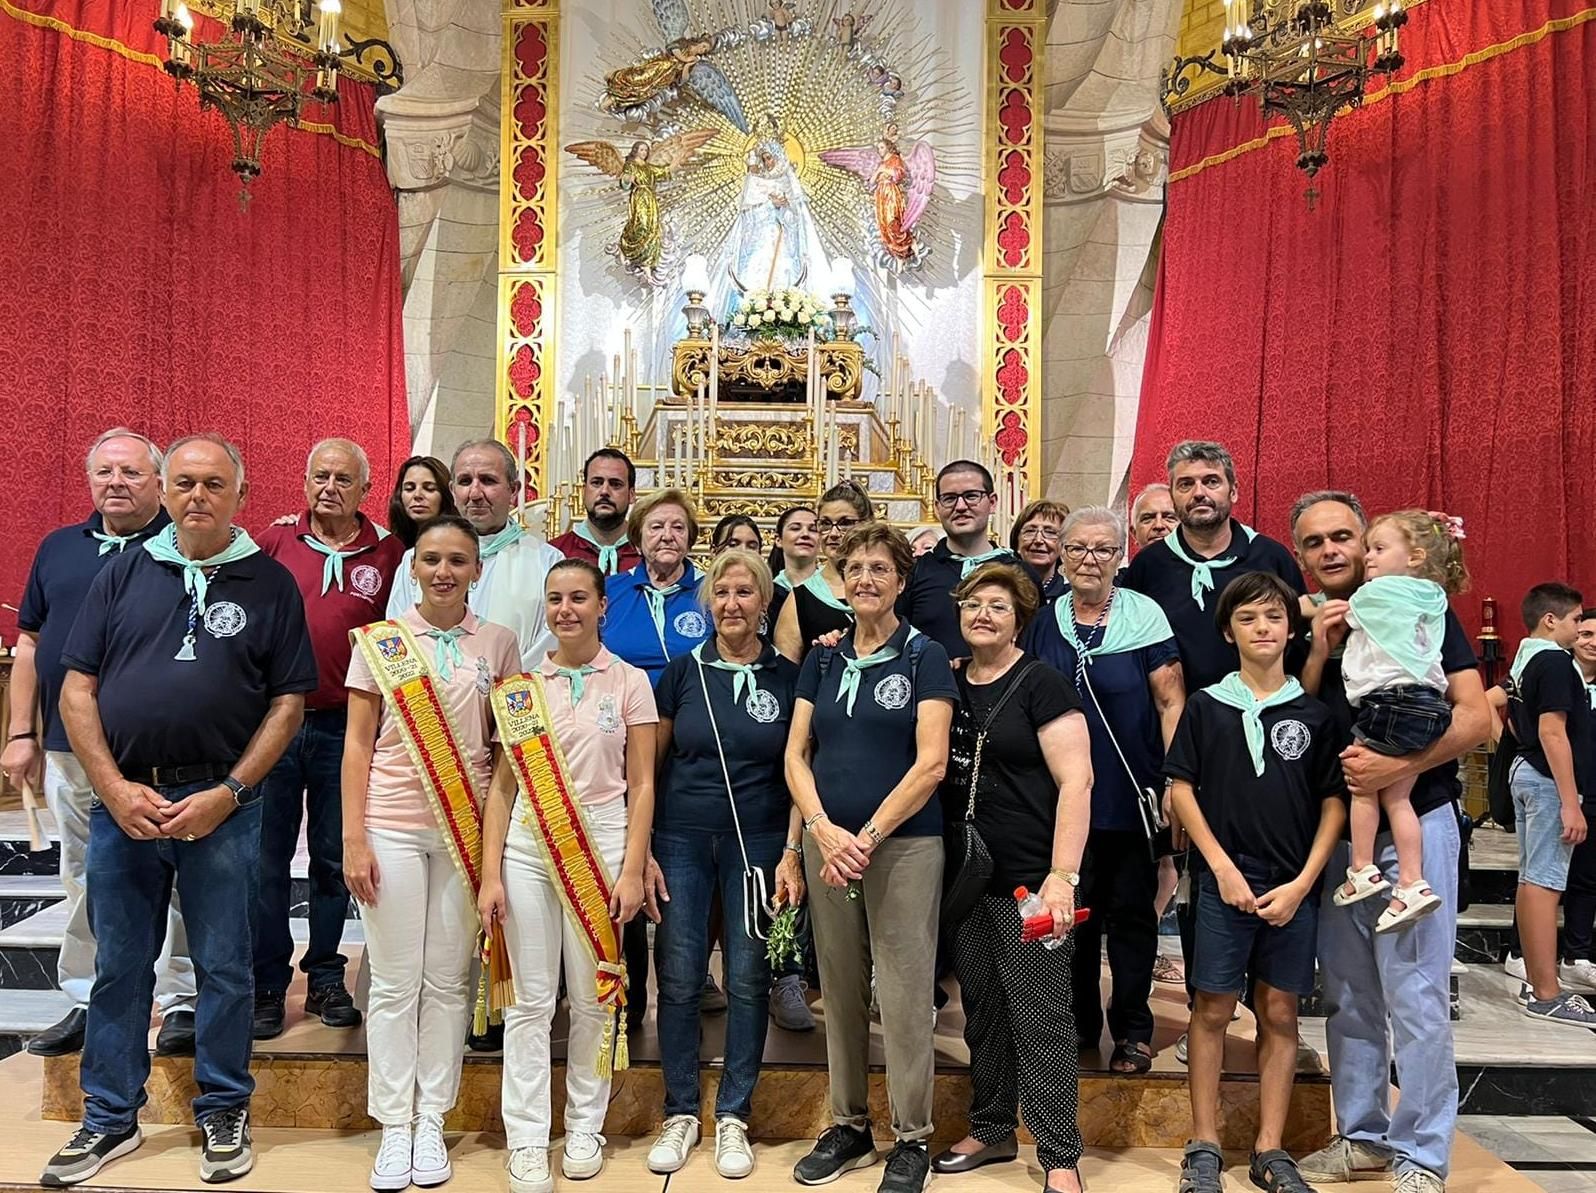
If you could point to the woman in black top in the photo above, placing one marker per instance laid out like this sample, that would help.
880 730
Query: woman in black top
1020 738
817 606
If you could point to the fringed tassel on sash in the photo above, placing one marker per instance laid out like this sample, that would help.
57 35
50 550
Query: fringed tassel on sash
496 986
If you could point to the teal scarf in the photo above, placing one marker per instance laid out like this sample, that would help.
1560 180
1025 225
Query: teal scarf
332 572
742 673
609 554
1232 691
164 547
578 677
783 580
446 655
113 542
818 588
494 543
1134 621
1529 648
853 668
1202 570
1402 616
971 562
656 598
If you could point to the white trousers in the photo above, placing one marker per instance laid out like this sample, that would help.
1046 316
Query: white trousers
420 936
538 933
67 793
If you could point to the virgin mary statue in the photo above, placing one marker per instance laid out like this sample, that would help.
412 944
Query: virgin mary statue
774 241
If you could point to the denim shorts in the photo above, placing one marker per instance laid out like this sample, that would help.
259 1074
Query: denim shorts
1231 944
1402 720
1543 855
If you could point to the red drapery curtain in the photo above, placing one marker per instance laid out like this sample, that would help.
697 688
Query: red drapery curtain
1426 336
134 290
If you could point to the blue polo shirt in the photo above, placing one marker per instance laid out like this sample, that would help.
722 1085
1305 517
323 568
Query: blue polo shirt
927 600
63 568
251 646
753 734
858 760
629 629
1119 681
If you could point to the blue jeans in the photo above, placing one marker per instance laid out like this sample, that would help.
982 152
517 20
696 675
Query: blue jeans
309 775
695 865
130 891
1403 976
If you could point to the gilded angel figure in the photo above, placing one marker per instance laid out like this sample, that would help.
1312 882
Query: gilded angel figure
630 90
644 242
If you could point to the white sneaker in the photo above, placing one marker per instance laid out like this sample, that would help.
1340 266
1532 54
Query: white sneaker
1514 968
1180 1048
392 1168
429 1155
584 1155
529 1171
1419 1180
733 1157
677 1138
1579 973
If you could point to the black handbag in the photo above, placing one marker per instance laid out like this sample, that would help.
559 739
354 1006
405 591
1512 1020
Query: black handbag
967 870
1498 792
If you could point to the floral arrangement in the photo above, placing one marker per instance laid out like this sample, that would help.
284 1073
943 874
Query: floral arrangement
780 312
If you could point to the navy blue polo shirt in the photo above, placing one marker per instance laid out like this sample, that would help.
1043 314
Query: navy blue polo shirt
858 760
63 568
1161 574
1119 682
251 647
927 600
753 734
629 629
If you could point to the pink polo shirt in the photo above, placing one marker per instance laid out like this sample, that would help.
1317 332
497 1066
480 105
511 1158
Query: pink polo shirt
395 797
592 733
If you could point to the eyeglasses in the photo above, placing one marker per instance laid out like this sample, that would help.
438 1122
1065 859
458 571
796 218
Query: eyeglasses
995 608
1048 534
826 525
970 497
1101 554
876 571
338 479
129 476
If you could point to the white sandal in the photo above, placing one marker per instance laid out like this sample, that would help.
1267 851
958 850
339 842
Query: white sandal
1365 883
1417 901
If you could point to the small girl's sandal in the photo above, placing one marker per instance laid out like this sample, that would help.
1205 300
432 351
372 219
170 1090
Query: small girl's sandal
1360 885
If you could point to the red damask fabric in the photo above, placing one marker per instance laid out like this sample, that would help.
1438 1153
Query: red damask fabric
1424 338
134 290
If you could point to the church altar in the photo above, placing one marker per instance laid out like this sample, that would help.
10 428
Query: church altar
769 369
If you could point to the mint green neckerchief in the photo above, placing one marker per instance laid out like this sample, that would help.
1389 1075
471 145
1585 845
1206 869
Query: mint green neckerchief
1233 691
1202 570
742 673
609 554
578 677
1529 648
113 542
509 535
821 591
853 668
783 580
164 547
1134 621
656 605
1405 617
971 562
446 655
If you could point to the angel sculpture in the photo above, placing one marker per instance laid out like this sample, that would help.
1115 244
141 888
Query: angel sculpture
782 15
646 243
901 190
849 27
632 92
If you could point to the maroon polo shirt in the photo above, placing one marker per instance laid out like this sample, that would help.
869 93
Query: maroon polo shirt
368 575
574 546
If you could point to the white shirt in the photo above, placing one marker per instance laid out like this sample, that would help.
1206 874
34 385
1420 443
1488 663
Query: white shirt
1366 668
510 594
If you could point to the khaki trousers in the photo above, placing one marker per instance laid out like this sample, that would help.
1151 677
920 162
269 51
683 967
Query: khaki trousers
892 925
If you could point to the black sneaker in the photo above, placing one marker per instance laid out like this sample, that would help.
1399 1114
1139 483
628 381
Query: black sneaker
62 1038
1201 1168
227 1154
86 1153
268 1014
1276 1171
839 1150
176 1037
908 1166
333 1003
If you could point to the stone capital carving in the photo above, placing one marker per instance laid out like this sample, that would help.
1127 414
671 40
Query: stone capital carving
432 142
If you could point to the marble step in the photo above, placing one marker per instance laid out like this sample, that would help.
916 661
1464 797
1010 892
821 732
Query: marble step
21 895
25 1013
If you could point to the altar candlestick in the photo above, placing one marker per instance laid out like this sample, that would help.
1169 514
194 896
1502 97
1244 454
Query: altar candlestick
714 389
520 471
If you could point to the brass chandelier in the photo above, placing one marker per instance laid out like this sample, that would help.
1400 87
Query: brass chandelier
1305 63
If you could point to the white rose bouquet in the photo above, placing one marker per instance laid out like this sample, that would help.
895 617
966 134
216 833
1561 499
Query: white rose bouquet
786 312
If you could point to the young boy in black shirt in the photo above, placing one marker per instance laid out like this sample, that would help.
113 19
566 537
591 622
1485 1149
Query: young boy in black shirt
1256 781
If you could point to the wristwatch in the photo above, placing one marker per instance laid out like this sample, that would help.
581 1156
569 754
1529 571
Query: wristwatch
1070 876
243 794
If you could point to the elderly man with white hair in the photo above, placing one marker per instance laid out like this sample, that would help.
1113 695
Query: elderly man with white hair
344 565
124 474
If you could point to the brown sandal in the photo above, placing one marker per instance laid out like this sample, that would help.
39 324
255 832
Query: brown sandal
1129 1058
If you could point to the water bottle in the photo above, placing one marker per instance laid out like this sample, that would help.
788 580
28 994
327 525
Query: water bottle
1031 907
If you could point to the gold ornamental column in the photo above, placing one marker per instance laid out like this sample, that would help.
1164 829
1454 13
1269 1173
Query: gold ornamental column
528 260
1011 168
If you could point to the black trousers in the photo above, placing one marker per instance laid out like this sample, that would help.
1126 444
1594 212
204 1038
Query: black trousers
1579 899
1020 1028
635 952
1119 882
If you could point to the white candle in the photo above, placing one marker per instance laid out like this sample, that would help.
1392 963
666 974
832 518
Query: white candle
714 390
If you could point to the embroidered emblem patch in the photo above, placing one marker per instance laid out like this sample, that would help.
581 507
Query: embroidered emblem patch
893 692
691 624
224 619
1290 739
365 579
609 714
763 706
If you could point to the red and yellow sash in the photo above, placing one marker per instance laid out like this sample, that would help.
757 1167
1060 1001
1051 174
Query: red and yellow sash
411 690
555 816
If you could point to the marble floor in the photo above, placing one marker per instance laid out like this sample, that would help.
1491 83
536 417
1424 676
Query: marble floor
1558 1154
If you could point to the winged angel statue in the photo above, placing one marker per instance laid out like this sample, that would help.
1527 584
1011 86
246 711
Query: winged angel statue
638 91
901 189
646 246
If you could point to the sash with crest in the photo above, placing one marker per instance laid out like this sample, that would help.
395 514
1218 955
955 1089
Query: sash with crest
555 817
411 690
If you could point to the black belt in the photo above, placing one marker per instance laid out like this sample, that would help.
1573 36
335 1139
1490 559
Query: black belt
179 776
